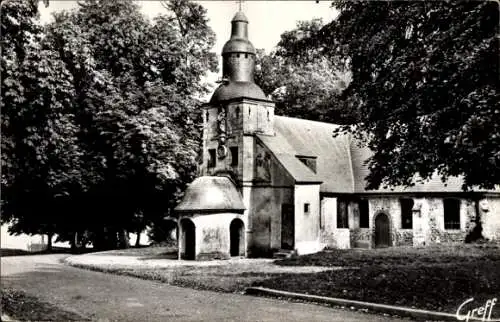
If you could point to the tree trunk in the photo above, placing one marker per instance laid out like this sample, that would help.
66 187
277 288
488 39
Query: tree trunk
138 239
476 234
123 239
49 241
72 242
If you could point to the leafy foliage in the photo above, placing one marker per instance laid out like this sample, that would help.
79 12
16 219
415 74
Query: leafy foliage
120 106
424 87
300 79
40 158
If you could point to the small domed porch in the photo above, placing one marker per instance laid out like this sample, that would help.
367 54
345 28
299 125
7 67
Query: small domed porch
211 222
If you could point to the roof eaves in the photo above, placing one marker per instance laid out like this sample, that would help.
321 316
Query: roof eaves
209 210
308 182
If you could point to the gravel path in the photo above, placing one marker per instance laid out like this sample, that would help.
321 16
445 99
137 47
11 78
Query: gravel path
109 297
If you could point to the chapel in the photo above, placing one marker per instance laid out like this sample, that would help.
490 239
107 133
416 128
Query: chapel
272 184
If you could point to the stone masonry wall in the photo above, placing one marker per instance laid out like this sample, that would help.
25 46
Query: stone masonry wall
489 208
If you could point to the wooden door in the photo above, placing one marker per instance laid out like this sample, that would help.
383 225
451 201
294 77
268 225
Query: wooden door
382 231
287 226
236 238
189 239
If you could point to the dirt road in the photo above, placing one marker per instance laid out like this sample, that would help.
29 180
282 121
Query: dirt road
107 297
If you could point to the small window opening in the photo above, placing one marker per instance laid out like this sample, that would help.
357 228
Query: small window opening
406 213
310 162
364 215
306 208
246 55
342 214
451 213
211 158
234 155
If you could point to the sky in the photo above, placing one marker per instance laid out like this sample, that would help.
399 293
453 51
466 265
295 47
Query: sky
267 19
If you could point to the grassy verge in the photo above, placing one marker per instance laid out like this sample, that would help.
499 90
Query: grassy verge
222 276
151 252
211 278
451 254
20 306
437 278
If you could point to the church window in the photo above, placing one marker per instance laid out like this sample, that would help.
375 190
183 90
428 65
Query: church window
207 115
310 162
342 219
306 208
246 55
406 213
211 158
234 155
451 213
364 221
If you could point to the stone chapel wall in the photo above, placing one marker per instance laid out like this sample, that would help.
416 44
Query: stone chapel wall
307 218
330 235
266 188
489 208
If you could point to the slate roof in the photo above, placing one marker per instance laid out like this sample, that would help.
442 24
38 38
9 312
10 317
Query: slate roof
340 160
240 16
207 194
308 138
236 90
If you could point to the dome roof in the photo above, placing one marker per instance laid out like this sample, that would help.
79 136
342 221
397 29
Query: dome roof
211 194
237 89
238 45
240 16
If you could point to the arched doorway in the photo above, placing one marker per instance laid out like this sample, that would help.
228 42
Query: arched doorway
237 238
382 231
188 250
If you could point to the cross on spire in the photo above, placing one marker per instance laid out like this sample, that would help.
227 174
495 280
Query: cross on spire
240 2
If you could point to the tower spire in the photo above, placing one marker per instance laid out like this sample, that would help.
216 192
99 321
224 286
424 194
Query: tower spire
240 2
238 64
238 54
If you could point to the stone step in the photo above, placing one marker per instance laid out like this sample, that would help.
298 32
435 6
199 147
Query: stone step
283 253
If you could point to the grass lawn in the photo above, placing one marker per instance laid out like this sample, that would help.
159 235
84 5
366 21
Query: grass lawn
223 275
435 278
212 278
27 308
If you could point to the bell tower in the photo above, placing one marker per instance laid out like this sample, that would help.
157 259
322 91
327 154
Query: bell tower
238 54
237 112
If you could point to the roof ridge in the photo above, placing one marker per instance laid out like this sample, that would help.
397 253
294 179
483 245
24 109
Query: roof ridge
305 120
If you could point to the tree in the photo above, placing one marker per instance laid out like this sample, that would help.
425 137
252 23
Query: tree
137 84
424 87
300 79
110 127
40 158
